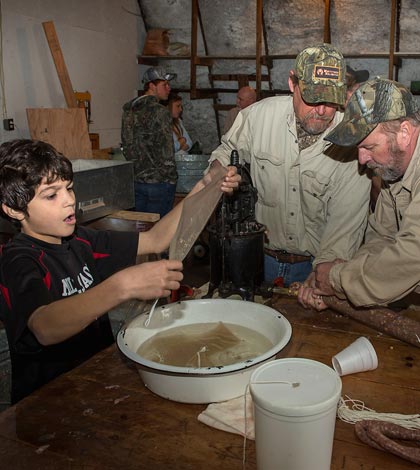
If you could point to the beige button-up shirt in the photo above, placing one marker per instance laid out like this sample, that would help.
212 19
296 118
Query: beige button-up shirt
312 203
387 266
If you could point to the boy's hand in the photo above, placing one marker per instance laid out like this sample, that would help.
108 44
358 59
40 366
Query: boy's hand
230 181
153 279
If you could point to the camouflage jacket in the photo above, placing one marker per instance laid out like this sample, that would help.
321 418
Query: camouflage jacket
146 136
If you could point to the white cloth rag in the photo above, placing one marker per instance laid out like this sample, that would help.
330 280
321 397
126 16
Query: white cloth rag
230 416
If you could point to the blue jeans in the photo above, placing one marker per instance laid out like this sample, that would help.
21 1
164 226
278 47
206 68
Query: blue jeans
154 197
296 272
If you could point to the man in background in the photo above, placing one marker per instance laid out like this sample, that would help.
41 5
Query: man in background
146 136
245 97
354 78
311 196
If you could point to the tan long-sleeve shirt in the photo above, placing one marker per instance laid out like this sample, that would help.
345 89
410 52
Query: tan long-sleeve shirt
311 202
387 266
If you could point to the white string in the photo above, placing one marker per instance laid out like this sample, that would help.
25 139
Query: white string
147 322
293 384
351 411
202 350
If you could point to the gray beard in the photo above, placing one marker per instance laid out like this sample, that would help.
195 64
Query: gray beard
316 128
389 175
392 171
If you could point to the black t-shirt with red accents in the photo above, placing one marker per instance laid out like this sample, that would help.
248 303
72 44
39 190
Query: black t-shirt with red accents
35 273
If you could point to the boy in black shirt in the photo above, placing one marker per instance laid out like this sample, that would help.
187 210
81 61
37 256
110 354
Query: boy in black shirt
57 280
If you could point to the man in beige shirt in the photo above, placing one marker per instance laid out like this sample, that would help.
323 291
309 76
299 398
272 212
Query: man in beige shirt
245 97
382 118
311 196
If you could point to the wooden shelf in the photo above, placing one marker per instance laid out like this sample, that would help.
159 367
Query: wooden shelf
261 58
205 60
142 58
154 59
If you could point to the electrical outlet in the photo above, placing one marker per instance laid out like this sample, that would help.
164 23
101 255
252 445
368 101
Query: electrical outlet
8 124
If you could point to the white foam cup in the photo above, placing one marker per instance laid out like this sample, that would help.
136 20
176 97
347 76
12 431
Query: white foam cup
295 406
359 356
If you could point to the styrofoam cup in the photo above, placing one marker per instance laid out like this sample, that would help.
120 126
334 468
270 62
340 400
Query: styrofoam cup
295 405
359 356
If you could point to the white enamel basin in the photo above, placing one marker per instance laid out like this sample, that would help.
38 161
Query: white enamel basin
205 384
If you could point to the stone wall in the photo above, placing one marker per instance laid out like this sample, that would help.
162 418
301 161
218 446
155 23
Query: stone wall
357 27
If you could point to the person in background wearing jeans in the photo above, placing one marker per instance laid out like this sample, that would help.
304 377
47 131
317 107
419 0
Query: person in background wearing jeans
146 135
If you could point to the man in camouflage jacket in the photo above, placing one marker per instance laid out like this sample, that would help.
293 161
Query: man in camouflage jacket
146 135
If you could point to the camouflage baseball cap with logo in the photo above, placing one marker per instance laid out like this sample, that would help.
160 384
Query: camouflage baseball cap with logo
321 71
157 73
378 100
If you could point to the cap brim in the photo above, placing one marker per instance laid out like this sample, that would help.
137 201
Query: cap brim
167 77
319 93
361 76
349 134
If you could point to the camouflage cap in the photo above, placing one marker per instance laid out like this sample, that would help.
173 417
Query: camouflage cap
157 73
321 72
376 101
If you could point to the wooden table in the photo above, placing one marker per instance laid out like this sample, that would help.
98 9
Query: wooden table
100 416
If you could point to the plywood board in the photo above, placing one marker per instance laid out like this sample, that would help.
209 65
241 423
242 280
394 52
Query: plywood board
65 129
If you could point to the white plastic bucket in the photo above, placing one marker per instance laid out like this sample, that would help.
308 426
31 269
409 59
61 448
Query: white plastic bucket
294 419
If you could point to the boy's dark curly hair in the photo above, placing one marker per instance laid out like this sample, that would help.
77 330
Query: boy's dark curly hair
23 165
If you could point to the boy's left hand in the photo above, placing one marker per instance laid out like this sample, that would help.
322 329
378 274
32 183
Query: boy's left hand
232 180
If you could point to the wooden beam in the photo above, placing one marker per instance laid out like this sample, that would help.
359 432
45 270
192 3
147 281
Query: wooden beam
223 107
258 44
391 63
204 61
60 65
210 70
152 61
201 93
236 77
327 30
194 32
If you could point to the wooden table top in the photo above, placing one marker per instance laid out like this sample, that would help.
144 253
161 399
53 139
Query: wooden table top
100 416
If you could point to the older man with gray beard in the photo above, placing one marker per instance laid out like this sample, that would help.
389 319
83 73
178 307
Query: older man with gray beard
311 196
383 120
